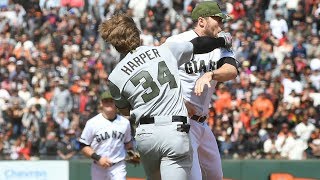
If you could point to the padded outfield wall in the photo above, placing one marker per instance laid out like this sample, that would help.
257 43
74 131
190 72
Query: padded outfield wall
233 170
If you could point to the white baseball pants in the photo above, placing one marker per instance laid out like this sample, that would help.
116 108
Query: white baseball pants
206 164
115 172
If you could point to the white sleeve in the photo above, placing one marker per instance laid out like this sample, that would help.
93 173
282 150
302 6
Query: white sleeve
127 136
182 51
87 134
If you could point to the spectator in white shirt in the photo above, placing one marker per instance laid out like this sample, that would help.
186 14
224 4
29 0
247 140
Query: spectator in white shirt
270 148
294 148
278 26
290 84
315 79
147 38
304 128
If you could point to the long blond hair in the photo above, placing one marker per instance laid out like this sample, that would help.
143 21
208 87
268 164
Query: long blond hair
121 32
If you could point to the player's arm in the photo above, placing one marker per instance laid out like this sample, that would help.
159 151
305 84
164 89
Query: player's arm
206 44
90 153
128 145
184 51
227 69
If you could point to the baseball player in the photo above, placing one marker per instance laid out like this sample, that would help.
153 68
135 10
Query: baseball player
105 138
146 84
216 66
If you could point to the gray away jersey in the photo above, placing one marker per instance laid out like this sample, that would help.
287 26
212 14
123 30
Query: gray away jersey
148 80
194 69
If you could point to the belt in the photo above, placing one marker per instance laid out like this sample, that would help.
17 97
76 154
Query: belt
150 120
112 164
198 118
180 127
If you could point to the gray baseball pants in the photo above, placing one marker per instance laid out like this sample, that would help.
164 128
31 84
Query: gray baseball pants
166 153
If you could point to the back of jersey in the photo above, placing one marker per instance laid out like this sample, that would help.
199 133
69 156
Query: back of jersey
148 81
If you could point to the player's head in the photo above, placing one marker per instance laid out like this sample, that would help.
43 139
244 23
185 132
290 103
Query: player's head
208 18
107 104
121 32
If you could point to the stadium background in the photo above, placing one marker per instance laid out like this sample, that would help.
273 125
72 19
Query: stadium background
53 66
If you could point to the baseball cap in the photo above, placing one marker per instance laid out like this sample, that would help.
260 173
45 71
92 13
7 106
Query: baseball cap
207 9
106 95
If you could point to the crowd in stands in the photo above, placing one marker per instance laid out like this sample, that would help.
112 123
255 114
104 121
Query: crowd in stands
54 65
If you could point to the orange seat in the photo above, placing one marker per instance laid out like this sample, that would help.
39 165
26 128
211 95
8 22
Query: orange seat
286 176
281 176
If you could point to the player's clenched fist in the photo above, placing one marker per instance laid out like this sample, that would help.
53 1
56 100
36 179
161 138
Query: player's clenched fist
104 162
227 38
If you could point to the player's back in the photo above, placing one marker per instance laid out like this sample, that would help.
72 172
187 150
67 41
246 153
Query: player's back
148 79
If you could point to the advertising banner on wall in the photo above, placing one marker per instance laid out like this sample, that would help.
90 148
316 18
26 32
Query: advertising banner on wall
34 170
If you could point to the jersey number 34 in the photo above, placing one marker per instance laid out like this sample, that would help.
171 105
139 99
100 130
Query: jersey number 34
164 76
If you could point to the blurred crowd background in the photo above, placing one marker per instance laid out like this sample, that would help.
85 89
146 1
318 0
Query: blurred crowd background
54 65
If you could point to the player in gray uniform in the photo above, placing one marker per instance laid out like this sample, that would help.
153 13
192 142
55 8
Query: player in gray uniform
146 84
105 138
216 66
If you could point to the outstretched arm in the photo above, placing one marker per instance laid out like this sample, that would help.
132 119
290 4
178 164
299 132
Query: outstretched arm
224 73
206 44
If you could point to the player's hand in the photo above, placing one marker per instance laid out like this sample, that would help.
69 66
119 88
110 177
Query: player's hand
202 82
104 162
227 38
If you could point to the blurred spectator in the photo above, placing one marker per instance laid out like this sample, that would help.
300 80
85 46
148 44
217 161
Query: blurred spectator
279 26
304 128
224 99
294 149
32 117
270 149
238 11
314 144
262 108
63 121
299 48
62 100
48 146
14 115
66 148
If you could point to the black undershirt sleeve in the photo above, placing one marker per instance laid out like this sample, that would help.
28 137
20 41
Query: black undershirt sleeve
82 145
228 60
205 44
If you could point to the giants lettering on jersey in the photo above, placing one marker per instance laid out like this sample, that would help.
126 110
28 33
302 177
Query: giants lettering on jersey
199 66
105 136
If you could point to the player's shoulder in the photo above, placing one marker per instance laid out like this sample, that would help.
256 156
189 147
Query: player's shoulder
122 119
185 36
95 119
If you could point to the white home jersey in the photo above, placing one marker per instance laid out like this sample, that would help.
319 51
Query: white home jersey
148 80
107 138
192 70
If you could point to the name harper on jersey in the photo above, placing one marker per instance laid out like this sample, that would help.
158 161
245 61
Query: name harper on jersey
140 60
105 136
199 66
